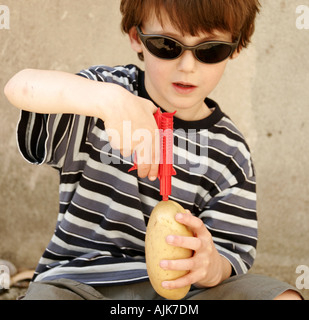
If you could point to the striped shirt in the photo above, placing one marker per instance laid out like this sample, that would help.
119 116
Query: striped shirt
99 238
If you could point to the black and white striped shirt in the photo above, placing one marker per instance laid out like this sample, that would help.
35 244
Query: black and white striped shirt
104 210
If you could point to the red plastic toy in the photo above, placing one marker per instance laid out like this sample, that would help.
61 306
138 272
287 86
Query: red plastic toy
165 122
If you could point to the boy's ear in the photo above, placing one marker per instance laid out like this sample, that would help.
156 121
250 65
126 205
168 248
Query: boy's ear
136 43
236 53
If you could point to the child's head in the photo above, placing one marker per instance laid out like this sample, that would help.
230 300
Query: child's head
196 16
163 32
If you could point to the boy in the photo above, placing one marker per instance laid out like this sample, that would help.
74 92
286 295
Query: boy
75 125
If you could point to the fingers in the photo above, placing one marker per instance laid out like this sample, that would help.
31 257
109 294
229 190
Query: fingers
143 145
146 157
193 275
191 243
177 265
132 128
182 282
147 170
153 172
136 132
195 224
204 264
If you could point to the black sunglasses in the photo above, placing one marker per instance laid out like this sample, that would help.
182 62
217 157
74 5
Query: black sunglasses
167 48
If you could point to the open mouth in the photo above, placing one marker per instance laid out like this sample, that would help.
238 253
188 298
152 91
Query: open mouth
184 88
182 85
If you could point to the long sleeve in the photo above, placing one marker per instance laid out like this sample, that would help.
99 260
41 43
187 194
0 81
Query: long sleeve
51 139
231 218
230 206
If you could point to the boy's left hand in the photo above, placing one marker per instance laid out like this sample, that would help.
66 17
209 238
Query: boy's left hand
207 268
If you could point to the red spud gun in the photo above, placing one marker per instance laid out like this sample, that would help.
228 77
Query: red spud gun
166 171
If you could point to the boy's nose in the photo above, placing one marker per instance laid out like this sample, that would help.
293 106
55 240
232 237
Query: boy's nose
187 62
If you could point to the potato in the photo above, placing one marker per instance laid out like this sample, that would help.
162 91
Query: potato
161 224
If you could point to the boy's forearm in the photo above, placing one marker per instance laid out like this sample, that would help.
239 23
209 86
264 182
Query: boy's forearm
52 92
55 92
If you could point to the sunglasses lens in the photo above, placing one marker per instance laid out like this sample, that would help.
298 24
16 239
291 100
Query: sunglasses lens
213 53
163 48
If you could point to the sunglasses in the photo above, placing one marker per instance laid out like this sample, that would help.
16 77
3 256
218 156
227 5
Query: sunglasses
167 48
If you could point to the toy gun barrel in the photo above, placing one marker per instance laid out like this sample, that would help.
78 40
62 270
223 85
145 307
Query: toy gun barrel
165 122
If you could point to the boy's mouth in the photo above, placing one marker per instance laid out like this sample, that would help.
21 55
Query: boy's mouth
184 87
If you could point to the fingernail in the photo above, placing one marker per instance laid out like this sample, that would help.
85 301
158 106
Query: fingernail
170 239
152 178
164 264
165 284
179 216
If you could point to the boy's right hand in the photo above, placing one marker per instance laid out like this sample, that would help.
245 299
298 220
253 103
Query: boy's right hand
52 92
132 129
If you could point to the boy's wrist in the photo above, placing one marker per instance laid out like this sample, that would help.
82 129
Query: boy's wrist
223 272
226 270
112 97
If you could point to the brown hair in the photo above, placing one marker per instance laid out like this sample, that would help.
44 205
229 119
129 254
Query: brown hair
195 16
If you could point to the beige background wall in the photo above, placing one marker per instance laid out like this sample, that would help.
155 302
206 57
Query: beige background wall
265 91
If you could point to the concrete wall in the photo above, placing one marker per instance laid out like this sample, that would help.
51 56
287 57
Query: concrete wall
265 91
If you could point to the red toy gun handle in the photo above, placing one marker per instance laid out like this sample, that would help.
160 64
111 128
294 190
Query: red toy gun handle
166 171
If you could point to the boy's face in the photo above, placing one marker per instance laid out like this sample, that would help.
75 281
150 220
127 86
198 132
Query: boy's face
184 83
